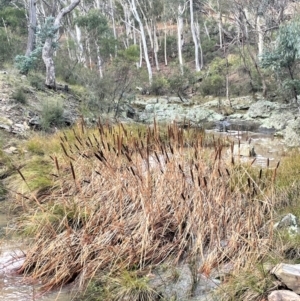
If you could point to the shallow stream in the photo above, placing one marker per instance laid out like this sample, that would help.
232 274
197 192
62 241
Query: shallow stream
12 286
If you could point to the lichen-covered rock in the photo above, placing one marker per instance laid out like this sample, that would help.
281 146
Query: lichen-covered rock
262 109
283 295
289 274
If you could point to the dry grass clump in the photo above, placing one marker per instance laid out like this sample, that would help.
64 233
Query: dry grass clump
122 200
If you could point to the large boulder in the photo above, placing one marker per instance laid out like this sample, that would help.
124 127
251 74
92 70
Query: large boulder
291 133
289 274
278 120
262 109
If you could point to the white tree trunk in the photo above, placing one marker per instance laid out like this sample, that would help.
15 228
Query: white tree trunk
180 35
99 60
260 35
80 56
220 25
48 50
165 45
156 47
196 45
143 37
141 53
197 27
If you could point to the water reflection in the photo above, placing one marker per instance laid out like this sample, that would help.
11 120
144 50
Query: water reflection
12 286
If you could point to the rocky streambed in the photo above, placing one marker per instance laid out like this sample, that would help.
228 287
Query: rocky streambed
249 113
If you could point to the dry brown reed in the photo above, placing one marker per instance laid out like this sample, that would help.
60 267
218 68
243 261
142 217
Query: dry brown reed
123 200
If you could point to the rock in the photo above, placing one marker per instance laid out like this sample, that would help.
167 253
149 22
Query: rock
242 103
11 150
262 109
289 274
283 295
244 150
291 133
278 120
68 118
290 223
130 113
177 283
5 127
35 121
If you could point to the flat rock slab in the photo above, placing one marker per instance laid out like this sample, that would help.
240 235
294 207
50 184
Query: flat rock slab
283 295
289 274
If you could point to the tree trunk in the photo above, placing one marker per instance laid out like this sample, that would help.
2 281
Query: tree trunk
31 27
220 25
193 29
179 35
260 35
143 37
156 47
48 50
165 44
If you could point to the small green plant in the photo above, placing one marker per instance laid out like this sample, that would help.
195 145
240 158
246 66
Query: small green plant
19 96
36 81
52 116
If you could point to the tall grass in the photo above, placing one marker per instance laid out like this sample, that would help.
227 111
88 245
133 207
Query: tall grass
124 199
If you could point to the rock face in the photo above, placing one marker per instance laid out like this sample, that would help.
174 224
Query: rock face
289 274
177 283
283 295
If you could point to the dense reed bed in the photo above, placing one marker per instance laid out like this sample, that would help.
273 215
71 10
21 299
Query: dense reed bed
123 199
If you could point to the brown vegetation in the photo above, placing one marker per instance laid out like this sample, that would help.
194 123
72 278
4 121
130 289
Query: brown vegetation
128 198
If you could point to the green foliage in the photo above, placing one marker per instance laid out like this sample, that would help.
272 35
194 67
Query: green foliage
26 63
19 96
126 285
9 46
130 54
283 59
14 19
249 284
52 115
160 85
96 24
214 83
36 81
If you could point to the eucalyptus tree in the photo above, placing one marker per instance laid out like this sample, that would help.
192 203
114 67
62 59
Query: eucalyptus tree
195 29
98 34
132 6
284 58
49 44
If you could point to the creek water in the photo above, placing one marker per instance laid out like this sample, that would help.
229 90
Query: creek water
13 287
268 148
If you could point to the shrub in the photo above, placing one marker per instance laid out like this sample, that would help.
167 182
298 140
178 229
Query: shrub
37 81
52 115
19 96
213 85
160 85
